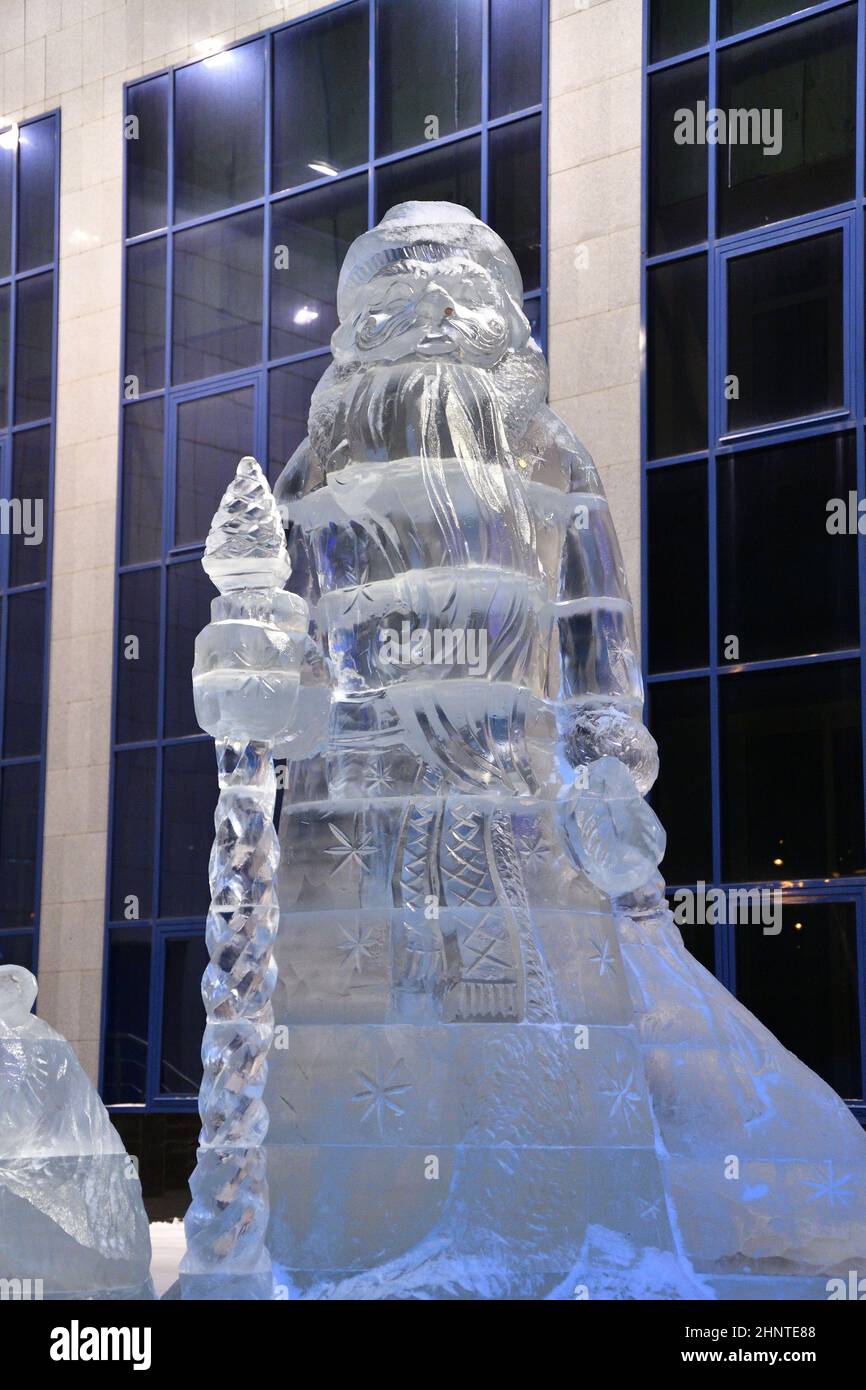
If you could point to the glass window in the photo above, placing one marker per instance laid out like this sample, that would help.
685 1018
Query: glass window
217 297
311 234
22 715
4 355
678 567
429 70
189 599
291 389
791 764
213 434
16 948
7 178
677 26
451 174
146 131
679 719
218 124
137 656
804 156
36 149
802 984
183 1015
132 835
33 325
189 795
516 36
321 96
145 316
772 512
31 478
737 15
515 193
19 816
785 332
677 357
677 159
142 481
126 1025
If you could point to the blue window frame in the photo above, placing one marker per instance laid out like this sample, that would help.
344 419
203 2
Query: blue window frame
240 204
754 418
29 187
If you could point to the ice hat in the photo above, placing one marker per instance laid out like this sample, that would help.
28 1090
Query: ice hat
424 231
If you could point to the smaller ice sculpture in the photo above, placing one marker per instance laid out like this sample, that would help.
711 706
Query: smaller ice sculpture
72 1222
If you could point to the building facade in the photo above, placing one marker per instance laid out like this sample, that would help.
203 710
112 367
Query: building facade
208 164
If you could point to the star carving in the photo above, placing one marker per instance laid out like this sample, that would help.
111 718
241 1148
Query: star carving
357 946
603 958
624 1100
351 849
379 1095
832 1189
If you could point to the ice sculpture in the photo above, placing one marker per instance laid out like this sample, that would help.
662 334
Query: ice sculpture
500 1075
245 681
72 1222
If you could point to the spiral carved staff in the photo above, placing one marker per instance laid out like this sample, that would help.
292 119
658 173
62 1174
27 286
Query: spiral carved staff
245 680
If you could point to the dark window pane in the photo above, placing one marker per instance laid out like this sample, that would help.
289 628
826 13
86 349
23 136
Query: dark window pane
291 389
802 984
311 234
16 948
516 32
147 156
785 331
678 580
677 172
807 72
145 315
218 297
737 15
4 355
792 789
36 155
532 310
219 131
680 724
137 656
142 481
189 795
33 348
25 667
699 939
189 598
182 1015
31 468
19 817
677 350
321 92
451 175
677 26
429 77
772 512
7 175
515 193
213 435
125 1055
132 835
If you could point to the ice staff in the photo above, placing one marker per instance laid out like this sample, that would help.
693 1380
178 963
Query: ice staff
245 678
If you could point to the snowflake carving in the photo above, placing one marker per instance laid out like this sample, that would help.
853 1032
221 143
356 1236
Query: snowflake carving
351 850
357 946
624 1100
379 1095
603 958
833 1189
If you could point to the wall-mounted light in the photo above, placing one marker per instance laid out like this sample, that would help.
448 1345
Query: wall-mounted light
9 137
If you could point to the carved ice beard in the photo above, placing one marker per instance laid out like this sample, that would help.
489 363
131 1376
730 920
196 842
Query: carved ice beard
428 409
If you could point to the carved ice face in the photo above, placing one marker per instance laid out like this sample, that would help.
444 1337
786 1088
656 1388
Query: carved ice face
17 993
451 310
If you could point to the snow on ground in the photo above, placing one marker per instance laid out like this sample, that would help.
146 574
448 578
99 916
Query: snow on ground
168 1243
